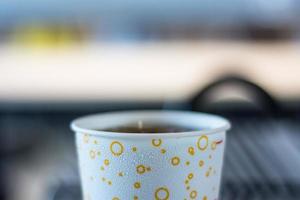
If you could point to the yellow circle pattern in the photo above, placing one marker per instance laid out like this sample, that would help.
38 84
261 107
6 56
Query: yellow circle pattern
190 176
193 194
120 151
161 193
134 149
191 151
163 151
106 162
207 174
92 154
165 192
213 145
86 138
137 185
140 169
120 174
175 161
201 146
156 142
201 163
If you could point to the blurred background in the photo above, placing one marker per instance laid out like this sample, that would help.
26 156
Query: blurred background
63 59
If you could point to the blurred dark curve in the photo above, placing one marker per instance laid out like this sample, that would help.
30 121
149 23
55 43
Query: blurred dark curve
259 97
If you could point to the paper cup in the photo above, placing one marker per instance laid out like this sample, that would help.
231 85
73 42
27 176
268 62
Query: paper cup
161 166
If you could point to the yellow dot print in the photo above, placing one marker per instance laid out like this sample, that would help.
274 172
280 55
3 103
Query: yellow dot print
148 169
109 182
120 174
102 168
207 174
188 187
86 138
175 161
137 185
213 145
115 198
191 151
193 194
156 142
190 176
92 154
201 163
163 151
106 162
162 193
187 163
134 149
204 198
140 169
135 198
95 142
202 143
116 148
103 179
186 181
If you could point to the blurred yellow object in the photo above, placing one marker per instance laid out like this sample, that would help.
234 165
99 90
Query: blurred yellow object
43 36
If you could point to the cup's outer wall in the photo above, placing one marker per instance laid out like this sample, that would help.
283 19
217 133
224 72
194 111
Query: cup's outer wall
150 168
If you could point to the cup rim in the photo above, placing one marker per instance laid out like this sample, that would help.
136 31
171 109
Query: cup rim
214 123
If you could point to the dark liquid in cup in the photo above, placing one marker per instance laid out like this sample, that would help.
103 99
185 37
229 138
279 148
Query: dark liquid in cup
149 128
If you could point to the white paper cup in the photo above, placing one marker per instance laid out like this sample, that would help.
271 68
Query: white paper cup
161 166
